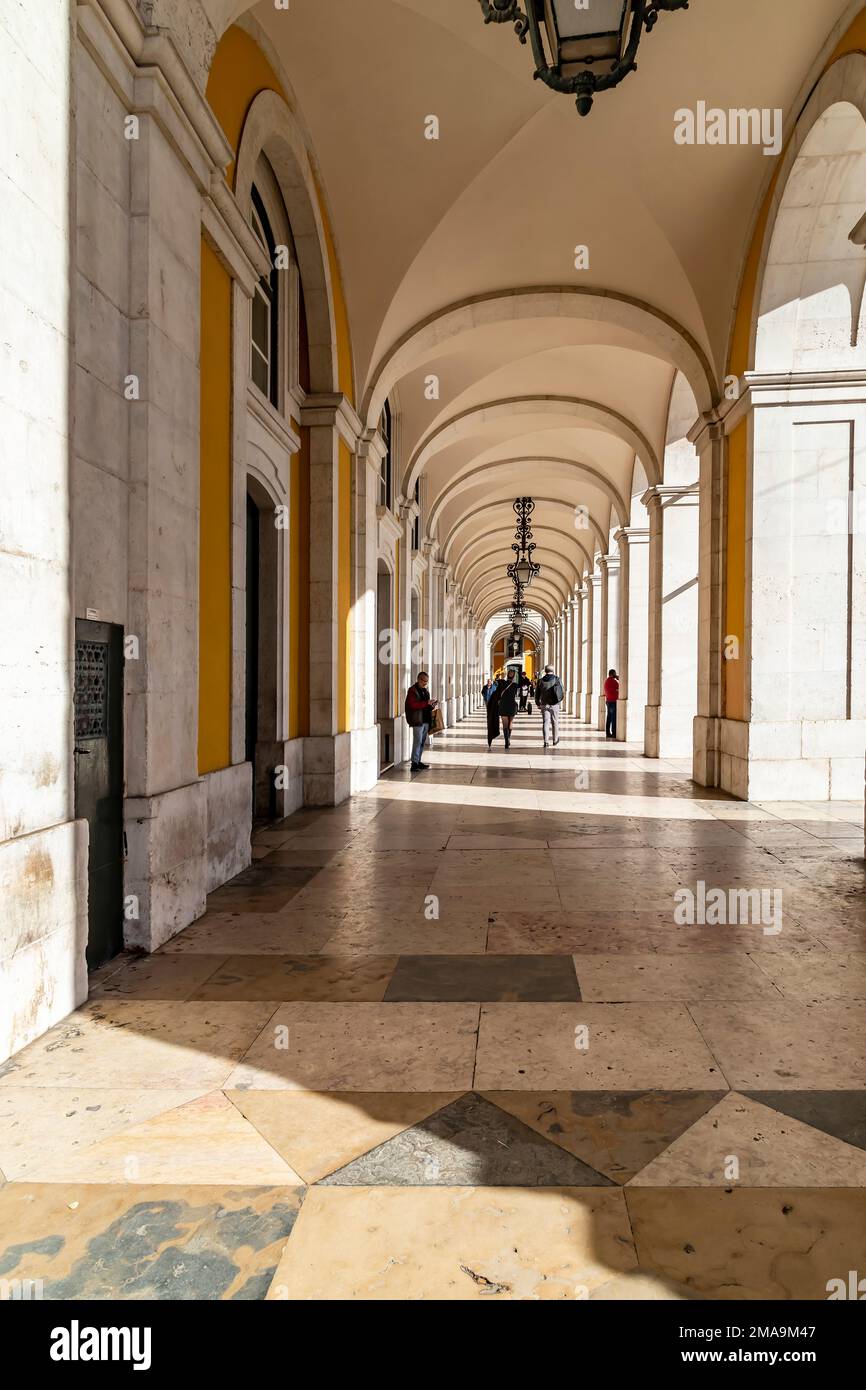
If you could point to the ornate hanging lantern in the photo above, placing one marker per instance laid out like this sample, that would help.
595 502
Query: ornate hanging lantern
570 37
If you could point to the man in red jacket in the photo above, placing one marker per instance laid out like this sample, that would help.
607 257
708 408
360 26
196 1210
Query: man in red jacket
611 695
419 710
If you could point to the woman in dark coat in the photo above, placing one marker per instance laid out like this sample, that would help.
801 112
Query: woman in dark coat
509 696
493 713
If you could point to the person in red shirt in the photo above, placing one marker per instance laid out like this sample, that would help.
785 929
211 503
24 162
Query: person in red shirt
611 695
419 709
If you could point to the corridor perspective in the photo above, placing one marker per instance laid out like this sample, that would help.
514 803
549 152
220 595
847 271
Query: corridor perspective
433 650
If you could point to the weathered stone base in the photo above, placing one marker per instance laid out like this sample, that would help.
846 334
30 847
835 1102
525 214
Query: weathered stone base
167 867
229 823
795 760
668 732
43 902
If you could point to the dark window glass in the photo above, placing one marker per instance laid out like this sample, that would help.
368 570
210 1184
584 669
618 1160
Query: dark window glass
264 336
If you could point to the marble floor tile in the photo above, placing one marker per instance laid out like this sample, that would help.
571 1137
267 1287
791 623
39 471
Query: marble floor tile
204 1141
592 1047
468 1143
130 1044
317 1132
816 976
741 1143
643 978
362 1047
451 934
616 1132
230 934
641 933
39 1122
748 1243
441 1243
841 1114
101 1241
166 975
768 1045
483 978
332 979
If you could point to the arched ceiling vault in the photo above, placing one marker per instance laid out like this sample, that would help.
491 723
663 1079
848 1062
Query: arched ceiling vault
449 541
569 406
533 466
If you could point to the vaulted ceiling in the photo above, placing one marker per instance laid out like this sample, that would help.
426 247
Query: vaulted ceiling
458 254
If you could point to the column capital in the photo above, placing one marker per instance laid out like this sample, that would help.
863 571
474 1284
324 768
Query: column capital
336 410
631 535
609 563
669 494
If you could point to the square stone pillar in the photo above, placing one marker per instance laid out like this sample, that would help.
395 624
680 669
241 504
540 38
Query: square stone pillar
708 437
593 650
672 621
328 749
633 545
577 702
165 810
609 627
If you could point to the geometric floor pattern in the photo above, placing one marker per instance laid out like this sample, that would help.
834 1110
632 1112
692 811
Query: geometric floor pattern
454 1040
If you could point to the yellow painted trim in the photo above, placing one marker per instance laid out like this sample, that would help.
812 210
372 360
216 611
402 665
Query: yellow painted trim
215 524
239 72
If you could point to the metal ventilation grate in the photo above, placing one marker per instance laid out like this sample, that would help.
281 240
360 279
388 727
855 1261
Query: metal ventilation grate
91 689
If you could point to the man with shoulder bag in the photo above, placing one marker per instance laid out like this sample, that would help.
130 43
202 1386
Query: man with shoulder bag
549 694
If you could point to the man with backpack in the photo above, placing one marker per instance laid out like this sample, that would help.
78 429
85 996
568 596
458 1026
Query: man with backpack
549 695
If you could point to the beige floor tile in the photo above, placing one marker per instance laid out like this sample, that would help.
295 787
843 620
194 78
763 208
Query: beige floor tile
205 1141
37 1123
318 1132
624 1047
457 1244
742 1143
113 1044
167 975
280 933
362 1047
451 935
617 1133
815 976
748 1243
767 1045
333 979
644 978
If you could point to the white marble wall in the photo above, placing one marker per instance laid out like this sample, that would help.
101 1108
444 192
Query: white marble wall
43 854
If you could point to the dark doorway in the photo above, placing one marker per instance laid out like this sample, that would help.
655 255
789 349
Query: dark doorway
99 779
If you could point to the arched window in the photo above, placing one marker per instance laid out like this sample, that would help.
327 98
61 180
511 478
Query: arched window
416 527
387 432
265 324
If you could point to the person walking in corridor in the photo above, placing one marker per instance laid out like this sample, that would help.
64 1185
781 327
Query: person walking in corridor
487 689
549 695
509 697
419 709
493 712
611 695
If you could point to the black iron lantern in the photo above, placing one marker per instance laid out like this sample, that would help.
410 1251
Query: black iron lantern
581 46
524 569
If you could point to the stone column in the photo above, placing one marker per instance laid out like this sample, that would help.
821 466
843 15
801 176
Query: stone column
166 805
365 496
609 653
327 750
708 437
633 545
577 701
673 620
585 594
593 650
407 512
